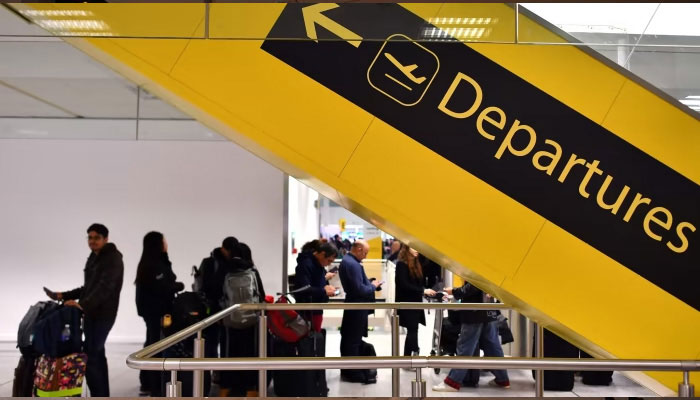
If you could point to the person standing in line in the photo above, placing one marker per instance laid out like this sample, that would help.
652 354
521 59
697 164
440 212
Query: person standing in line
99 301
311 271
409 288
156 285
478 328
213 269
358 289
241 342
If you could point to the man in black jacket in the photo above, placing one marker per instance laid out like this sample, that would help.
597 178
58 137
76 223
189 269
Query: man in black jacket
479 327
99 301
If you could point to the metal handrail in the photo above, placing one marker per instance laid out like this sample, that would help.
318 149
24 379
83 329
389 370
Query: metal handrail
141 359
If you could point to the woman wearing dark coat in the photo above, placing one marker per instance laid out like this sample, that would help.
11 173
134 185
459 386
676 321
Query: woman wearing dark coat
409 288
156 285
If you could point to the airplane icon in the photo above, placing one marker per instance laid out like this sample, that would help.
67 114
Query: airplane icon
407 70
417 70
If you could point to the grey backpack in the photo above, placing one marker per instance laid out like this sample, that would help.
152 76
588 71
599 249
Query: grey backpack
241 287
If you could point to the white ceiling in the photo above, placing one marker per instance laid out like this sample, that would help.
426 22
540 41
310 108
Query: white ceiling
43 78
68 95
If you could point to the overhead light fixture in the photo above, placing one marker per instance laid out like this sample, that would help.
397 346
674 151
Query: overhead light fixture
56 13
73 24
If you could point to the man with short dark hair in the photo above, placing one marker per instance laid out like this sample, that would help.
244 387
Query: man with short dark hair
98 298
358 289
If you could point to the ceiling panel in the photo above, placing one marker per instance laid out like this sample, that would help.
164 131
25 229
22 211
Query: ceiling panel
69 128
48 60
176 130
16 104
90 98
152 107
11 24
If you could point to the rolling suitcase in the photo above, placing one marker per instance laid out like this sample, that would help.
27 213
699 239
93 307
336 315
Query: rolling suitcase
595 378
24 377
556 347
300 383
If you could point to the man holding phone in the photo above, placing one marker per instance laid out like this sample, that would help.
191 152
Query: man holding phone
358 289
311 271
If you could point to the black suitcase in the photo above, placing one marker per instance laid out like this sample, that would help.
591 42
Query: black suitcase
184 349
24 377
300 383
556 347
595 378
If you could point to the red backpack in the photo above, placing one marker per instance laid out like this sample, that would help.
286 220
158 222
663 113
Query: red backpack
287 325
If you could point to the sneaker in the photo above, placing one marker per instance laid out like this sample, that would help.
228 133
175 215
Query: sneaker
502 385
443 387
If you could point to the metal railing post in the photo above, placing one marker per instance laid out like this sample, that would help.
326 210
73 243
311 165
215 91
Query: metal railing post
174 387
395 373
262 353
418 385
198 376
685 388
539 350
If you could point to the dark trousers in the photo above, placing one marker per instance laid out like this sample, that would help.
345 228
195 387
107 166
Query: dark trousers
350 346
150 380
96 372
411 343
239 343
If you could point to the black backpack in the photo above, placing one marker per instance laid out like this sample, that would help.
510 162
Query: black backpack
59 332
25 333
188 309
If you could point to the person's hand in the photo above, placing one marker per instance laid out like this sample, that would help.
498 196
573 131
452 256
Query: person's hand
330 275
330 290
429 292
448 290
53 295
72 303
375 283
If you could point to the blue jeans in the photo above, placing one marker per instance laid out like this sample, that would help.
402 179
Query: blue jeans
96 372
470 336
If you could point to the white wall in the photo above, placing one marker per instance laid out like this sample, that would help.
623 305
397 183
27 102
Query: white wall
303 219
196 193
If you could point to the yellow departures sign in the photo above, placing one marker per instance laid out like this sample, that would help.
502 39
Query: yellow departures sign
360 125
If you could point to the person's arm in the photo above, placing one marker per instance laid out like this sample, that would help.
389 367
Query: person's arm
71 294
261 288
303 278
110 276
464 291
354 283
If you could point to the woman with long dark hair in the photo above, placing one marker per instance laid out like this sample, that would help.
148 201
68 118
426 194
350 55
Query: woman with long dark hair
410 288
156 285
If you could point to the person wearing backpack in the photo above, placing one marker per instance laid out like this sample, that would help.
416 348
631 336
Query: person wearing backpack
99 301
241 284
156 285
213 270
311 271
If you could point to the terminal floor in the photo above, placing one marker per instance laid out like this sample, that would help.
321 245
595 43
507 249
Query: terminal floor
124 381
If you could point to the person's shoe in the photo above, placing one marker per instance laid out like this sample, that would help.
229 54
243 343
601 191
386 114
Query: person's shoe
443 387
502 385
144 392
370 380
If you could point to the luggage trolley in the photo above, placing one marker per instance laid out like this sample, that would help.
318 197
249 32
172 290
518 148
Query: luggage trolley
438 347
